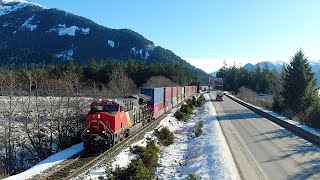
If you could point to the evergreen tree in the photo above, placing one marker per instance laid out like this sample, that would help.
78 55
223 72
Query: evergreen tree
299 85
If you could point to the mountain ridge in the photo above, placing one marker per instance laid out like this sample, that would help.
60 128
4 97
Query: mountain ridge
32 33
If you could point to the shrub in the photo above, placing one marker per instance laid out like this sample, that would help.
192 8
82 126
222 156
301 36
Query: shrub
200 101
186 108
138 170
150 155
190 102
142 167
165 136
313 115
198 129
137 149
251 97
181 116
191 177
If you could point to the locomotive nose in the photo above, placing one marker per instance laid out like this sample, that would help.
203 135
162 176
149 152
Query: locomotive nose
98 122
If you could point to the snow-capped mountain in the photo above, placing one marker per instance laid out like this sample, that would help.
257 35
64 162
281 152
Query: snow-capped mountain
31 33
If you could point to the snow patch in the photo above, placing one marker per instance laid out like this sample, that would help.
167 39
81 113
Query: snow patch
65 55
133 50
85 30
5 24
49 162
27 24
136 52
62 30
8 6
111 43
147 54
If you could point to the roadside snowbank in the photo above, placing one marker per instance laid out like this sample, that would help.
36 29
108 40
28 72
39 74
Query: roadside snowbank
49 162
207 156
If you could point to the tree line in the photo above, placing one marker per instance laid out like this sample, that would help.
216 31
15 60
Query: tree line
293 89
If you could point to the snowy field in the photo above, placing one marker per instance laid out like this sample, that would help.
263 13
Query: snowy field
207 156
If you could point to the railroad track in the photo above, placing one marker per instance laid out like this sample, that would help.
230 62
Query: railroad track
82 161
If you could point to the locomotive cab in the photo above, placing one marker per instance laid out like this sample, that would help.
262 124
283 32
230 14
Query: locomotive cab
109 121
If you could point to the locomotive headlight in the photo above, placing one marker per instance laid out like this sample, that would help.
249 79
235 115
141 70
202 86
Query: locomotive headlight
88 130
103 132
98 116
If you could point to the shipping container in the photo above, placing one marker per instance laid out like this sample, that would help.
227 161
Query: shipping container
157 109
174 96
156 94
167 98
179 97
157 100
187 91
183 93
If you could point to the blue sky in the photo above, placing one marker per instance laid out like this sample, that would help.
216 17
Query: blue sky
207 32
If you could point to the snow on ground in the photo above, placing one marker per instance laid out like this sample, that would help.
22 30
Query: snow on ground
65 55
314 131
62 30
6 7
27 24
111 43
207 156
85 30
49 162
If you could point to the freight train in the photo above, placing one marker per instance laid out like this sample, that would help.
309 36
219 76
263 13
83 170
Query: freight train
111 120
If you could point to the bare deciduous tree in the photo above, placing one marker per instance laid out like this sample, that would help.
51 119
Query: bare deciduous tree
159 81
120 85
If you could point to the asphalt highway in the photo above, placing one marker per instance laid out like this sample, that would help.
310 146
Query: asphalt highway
262 149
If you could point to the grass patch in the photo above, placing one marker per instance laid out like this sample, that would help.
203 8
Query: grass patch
165 136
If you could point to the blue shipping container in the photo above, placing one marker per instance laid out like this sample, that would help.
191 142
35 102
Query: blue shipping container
155 93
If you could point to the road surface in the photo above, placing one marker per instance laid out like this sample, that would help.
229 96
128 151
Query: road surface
264 150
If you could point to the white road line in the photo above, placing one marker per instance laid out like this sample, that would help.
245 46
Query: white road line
243 143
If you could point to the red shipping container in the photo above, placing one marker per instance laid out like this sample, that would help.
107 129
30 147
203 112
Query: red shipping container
174 96
157 109
174 91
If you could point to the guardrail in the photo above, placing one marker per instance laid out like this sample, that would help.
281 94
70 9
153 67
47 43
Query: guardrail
296 130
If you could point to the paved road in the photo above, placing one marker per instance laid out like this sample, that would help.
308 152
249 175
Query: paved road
264 150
